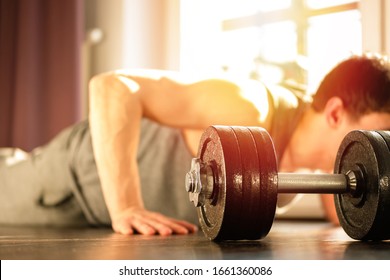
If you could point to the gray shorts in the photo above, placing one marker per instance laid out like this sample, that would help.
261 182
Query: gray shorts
56 184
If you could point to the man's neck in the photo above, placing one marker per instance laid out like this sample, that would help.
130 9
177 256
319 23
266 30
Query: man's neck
306 147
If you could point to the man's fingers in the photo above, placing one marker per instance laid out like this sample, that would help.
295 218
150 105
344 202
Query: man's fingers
150 223
191 227
123 228
161 228
160 223
163 223
143 227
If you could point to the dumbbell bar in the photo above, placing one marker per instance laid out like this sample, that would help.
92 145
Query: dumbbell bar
234 183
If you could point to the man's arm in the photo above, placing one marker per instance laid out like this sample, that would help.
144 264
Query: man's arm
118 101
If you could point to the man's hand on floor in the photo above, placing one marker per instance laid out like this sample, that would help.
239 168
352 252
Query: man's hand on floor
138 220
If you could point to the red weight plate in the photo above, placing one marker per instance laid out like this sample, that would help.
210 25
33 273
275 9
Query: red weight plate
248 226
245 183
268 178
219 216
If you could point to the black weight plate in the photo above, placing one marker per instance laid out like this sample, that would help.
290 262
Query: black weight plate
382 228
219 216
249 228
268 178
361 216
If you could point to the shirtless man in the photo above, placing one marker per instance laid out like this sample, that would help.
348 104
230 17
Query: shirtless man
145 127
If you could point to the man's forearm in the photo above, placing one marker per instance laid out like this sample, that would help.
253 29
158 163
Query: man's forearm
115 114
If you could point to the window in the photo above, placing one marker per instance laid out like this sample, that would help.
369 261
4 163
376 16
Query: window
290 41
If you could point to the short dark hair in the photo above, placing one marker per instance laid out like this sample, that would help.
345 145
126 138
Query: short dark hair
362 83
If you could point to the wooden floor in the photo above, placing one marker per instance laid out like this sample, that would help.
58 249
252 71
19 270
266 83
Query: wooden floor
287 240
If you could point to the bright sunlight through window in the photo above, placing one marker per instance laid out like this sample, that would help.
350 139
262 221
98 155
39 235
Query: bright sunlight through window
292 42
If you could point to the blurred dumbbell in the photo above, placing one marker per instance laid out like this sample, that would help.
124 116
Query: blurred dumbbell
234 182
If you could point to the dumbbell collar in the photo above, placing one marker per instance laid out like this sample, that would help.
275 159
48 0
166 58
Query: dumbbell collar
199 182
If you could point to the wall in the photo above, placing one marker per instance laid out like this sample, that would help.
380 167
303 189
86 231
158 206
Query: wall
135 34
151 34
376 25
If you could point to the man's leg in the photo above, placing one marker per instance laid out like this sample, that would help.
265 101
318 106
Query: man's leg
36 190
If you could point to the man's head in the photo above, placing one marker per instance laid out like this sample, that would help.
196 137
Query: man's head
354 95
361 82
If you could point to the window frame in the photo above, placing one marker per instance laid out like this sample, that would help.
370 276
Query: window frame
299 13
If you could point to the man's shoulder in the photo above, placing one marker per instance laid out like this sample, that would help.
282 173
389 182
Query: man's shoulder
287 97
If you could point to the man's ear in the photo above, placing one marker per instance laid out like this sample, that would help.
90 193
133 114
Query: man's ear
334 111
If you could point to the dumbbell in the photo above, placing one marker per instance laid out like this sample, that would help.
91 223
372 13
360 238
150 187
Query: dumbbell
234 183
